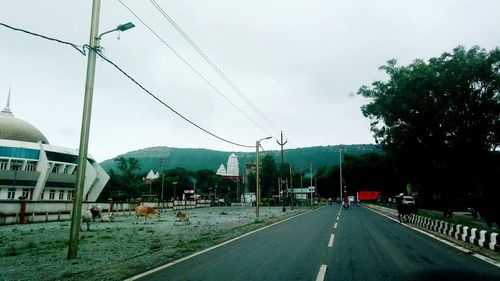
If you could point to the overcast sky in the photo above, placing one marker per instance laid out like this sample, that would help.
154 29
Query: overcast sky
299 62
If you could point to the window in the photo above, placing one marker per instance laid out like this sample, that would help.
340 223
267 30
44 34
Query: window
41 195
19 152
11 194
70 195
61 195
31 166
16 165
52 194
61 157
55 169
4 163
26 193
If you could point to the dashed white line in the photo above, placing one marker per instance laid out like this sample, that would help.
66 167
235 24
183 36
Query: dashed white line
338 218
335 225
321 273
330 243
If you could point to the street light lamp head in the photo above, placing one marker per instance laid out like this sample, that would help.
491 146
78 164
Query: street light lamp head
125 26
265 138
121 27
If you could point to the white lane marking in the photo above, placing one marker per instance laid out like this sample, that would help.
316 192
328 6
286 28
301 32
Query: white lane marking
338 218
211 248
449 243
330 243
321 273
335 225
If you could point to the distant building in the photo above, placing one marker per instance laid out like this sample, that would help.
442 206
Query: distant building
33 169
221 171
232 170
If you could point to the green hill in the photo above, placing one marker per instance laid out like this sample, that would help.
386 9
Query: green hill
197 159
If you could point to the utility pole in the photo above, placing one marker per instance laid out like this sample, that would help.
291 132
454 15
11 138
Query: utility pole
341 181
84 135
281 171
291 185
257 184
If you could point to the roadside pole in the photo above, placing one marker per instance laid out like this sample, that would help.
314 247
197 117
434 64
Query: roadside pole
84 135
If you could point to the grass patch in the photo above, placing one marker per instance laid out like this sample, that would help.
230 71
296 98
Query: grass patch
438 215
31 245
106 237
456 219
155 245
12 251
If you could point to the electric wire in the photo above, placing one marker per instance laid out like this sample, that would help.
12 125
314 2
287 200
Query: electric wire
82 51
193 68
214 66
165 104
78 48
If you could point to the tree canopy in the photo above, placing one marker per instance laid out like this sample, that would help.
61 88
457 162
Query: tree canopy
429 113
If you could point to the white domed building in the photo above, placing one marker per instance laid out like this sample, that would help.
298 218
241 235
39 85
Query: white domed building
35 170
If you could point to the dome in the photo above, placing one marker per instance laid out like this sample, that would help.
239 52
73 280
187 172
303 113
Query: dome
12 128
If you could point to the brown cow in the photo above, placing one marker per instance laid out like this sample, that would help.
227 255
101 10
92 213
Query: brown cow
146 212
182 217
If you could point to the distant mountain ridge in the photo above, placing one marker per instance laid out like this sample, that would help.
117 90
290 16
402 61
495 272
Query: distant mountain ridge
198 158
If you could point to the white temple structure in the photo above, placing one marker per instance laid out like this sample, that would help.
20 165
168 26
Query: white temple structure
232 170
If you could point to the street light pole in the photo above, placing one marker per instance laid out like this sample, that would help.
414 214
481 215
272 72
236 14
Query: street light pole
311 174
84 135
174 184
85 127
257 188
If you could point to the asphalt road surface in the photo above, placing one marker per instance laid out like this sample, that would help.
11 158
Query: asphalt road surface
332 244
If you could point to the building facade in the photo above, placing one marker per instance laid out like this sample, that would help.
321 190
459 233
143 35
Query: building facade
33 169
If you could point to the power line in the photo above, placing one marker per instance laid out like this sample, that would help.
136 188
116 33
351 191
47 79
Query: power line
214 66
193 68
82 51
78 48
166 105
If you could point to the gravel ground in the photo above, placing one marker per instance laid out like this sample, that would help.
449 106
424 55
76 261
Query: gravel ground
120 249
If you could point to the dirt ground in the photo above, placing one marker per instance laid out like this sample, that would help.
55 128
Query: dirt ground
120 249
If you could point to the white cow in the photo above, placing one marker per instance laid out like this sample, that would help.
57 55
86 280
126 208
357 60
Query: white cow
87 218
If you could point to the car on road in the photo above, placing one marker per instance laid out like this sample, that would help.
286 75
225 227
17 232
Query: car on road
351 199
408 200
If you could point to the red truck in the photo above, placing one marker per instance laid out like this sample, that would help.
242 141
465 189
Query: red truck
368 195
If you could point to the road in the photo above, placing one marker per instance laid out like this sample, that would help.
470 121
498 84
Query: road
332 244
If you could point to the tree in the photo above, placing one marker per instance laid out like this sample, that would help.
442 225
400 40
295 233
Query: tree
436 118
268 175
129 168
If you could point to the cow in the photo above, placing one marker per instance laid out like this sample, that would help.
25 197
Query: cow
108 218
182 217
86 218
96 211
146 212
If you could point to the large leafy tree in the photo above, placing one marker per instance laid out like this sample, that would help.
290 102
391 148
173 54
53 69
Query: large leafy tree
129 169
268 176
439 119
